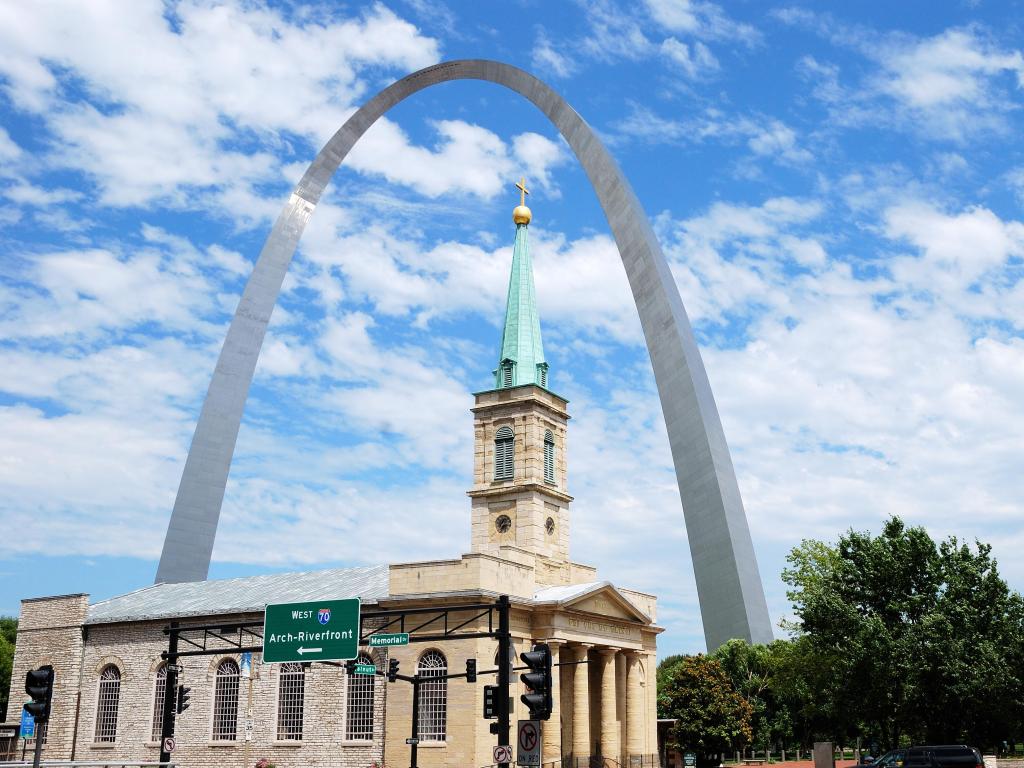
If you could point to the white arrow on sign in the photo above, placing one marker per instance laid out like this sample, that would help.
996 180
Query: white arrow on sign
300 650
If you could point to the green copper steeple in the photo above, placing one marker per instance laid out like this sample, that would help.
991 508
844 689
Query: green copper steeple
522 352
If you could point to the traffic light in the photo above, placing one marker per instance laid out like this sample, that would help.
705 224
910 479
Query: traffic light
538 680
470 670
39 685
183 702
490 702
350 667
392 670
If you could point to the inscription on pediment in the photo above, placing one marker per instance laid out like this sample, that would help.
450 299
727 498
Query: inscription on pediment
604 606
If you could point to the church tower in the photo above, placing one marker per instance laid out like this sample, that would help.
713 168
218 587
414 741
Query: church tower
520 504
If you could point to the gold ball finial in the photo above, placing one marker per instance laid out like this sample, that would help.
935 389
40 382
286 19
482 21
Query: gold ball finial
521 214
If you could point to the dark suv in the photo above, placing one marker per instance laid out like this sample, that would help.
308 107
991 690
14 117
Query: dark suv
932 756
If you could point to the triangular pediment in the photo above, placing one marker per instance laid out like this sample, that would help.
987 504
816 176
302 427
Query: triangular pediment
600 599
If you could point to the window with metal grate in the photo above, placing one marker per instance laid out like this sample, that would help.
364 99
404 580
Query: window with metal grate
549 456
433 725
291 696
504 454
225 702
506 374
359 704
159 690
107 701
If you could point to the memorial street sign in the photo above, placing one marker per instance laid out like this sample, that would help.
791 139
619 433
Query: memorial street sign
322 630
383 640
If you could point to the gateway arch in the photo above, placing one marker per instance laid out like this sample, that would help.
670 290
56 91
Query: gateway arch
729 586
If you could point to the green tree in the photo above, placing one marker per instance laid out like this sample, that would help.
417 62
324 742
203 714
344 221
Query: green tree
8 634
711 717
918 639
753 671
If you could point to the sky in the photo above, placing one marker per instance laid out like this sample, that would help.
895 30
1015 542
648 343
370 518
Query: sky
837 188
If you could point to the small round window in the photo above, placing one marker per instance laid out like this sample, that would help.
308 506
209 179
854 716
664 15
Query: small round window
503 523
549 525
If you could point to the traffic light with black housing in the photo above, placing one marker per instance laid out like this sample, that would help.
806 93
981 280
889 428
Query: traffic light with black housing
470 670
39 686
350 667
538 680
183 696
392 670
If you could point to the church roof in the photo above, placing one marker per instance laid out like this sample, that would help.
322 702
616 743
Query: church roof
244 595
568 594
520 340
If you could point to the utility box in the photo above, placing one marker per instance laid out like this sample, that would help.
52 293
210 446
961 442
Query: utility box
824 755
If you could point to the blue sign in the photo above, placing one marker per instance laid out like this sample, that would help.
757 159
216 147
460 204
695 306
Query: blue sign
245 667
28 725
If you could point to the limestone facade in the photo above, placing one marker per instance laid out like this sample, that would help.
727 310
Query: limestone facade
602 637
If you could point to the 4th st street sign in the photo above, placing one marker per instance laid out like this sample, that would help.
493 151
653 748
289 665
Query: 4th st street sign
324 630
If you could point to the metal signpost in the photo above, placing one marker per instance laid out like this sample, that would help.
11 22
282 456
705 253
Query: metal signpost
325 630
528 742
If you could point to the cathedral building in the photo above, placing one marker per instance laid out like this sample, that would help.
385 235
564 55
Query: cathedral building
110 679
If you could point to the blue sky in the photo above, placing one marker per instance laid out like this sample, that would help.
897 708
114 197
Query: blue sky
838 189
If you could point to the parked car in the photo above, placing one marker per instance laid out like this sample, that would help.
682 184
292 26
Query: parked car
932 756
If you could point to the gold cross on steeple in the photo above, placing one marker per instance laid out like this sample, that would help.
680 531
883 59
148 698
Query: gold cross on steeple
523 191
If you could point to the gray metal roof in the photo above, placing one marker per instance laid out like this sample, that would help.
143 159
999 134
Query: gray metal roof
245 595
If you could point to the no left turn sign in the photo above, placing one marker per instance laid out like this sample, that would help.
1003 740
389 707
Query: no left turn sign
169 744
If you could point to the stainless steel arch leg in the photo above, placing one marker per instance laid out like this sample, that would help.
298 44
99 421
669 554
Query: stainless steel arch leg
728 584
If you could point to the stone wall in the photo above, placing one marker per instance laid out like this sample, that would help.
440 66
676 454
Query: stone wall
50 631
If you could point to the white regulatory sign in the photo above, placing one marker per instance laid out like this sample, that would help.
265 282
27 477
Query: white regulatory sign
503 754
528 742
169 744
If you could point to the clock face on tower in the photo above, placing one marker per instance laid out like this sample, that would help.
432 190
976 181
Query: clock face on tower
549 525
502 523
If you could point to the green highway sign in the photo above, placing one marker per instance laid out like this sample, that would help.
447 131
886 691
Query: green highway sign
366 669
324 630
383 641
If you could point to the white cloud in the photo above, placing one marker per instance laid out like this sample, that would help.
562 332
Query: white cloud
701 19
164 105
555 61
693 60
9 150
468 158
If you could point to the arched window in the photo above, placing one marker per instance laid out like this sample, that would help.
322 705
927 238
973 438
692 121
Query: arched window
159 691
549 456
433 724
359 704
504 454
225 702
107 700
291 695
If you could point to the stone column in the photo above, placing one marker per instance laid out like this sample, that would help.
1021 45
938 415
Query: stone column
635 720
553 727
610 746
581 704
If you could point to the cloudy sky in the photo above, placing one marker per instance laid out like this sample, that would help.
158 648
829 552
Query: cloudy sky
838 192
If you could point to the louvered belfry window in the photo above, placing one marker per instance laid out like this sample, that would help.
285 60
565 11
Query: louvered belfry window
549 456
504 454
291 696
107 701
433 725
158 703
225 702
506 373
359 704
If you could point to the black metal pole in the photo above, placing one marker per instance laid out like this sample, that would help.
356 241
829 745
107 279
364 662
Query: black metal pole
38 752
415 720
504 651
170 691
